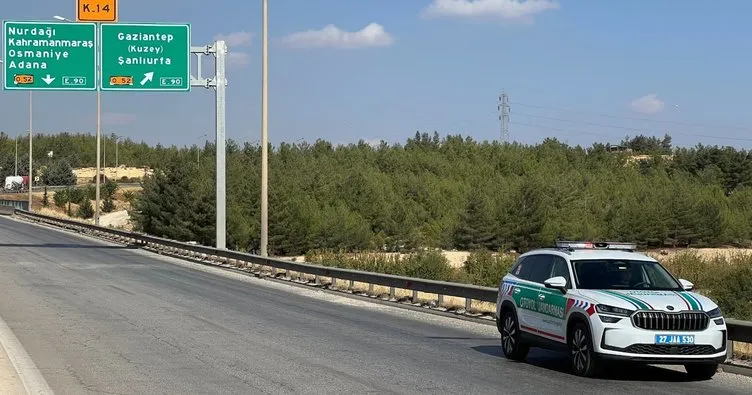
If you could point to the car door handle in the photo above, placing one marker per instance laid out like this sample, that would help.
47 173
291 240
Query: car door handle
516 290
541 296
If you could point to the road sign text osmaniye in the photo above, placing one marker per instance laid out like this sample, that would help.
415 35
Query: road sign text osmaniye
49 55
145 57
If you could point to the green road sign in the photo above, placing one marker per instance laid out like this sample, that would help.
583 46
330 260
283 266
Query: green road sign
49 55
145 57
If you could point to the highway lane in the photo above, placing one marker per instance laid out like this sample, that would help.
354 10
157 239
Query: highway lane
99 318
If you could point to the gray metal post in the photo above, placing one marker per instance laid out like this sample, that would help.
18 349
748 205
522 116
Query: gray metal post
219 83
264 135
31 151
99 157
98 194
220 54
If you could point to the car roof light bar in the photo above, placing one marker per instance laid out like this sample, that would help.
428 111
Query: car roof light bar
599 245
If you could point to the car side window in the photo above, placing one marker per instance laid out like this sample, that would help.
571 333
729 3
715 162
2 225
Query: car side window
522 268
541 268
560 268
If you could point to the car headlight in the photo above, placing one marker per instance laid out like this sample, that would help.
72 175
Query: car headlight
715 313
605 309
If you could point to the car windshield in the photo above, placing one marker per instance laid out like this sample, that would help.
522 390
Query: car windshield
623 274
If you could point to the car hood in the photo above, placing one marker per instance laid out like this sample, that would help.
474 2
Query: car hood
669 301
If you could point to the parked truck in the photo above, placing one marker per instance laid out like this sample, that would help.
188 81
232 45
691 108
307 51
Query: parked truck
16 183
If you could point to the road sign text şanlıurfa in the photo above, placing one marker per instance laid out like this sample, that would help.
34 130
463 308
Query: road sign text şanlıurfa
49 55
145 57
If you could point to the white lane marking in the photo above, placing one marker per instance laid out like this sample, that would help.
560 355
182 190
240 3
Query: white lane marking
30 376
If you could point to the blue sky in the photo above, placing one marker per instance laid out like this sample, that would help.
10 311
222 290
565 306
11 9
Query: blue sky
435 65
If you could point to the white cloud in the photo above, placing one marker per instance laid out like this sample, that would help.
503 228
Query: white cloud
648 104
117 118
505 9
372 35
235 39
238 59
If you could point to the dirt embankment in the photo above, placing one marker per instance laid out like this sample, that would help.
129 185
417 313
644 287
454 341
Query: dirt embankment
86 174
118 218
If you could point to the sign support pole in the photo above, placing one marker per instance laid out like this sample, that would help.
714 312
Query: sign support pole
99 152
264 135
99 133
31 152
219 83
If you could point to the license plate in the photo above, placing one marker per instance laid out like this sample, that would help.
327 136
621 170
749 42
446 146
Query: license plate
674 339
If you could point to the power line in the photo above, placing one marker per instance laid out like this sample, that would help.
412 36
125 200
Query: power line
557 129
745 128
603 135
629 128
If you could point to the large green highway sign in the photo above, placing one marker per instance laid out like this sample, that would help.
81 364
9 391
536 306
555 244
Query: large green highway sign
145 57
49 56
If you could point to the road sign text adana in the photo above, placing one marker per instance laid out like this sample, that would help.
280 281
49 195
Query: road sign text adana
49 56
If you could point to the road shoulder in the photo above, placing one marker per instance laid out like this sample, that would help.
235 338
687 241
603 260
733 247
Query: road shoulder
10 383
17 370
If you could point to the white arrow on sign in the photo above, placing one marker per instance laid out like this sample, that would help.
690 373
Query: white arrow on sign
147 77
48 79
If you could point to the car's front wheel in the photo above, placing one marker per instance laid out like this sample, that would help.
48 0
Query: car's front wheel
511 343
582 354
702 371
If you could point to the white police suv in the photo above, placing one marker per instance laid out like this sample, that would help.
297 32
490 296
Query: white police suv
604 301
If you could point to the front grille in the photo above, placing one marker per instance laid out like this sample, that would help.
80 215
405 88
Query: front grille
666 349
662 321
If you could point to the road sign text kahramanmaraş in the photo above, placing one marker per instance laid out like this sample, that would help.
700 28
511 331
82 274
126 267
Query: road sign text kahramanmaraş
49 56
146 57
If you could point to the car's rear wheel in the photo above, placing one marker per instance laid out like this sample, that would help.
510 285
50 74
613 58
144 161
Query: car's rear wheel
511 341
702 371
582 354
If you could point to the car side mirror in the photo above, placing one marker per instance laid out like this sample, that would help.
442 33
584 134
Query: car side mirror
688 286
557 282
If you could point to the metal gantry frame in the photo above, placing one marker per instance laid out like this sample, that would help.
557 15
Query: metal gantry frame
219 83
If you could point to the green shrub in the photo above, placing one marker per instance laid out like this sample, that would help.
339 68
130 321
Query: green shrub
485 268
108 189
691 267
45 198
60 198
76 195
129 196
86 209
430 265
108 205
726 280
91 191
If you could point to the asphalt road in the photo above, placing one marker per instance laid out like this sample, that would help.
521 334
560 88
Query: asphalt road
99 318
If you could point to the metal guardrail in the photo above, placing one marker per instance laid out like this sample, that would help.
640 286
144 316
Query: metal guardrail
239 259
738 331
55 188
17 204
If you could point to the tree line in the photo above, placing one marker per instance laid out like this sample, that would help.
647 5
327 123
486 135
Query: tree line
79 150
457 193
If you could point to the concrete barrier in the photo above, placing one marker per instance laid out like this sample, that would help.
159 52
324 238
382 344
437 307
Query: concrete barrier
7 210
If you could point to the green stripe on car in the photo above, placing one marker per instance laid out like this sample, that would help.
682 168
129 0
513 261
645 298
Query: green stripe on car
693 302
634 301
